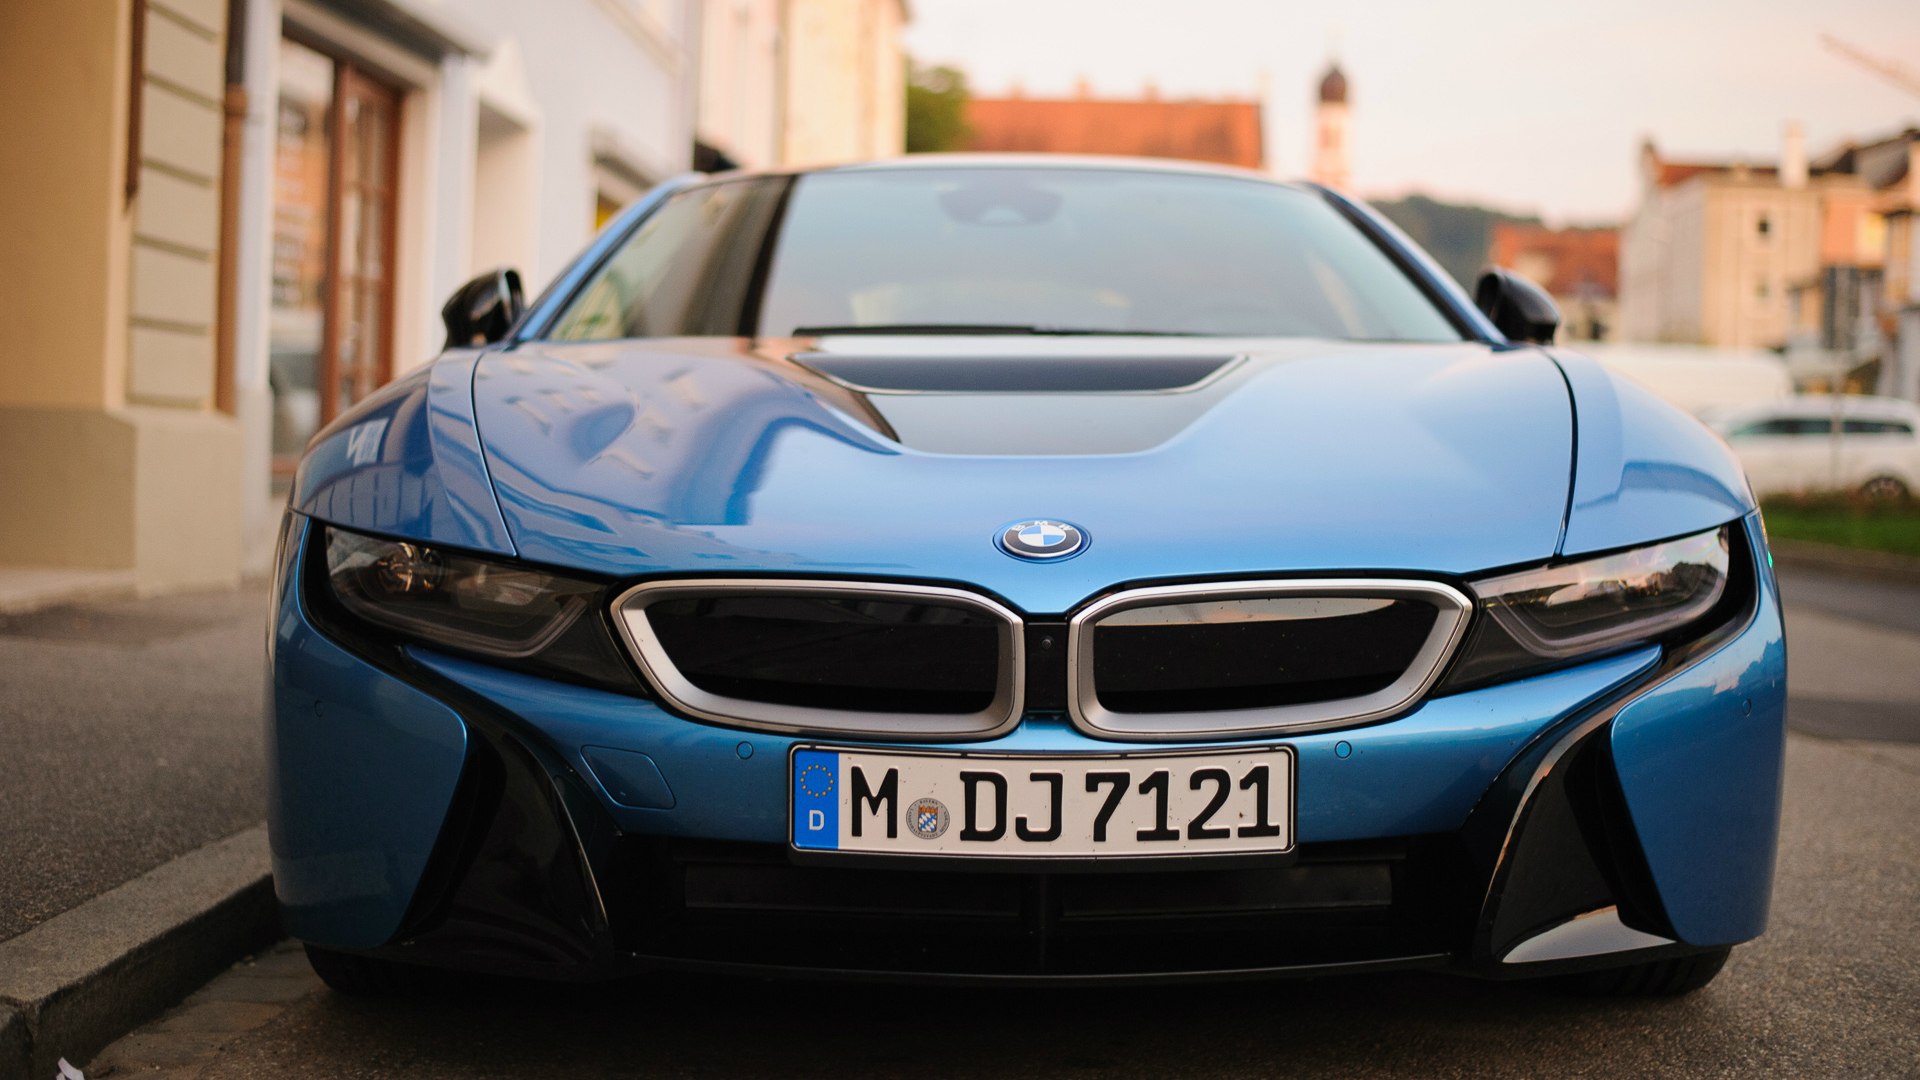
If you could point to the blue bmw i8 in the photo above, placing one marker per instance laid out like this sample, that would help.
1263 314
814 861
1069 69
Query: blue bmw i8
1011 569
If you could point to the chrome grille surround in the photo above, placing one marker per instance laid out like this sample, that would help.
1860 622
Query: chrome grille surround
1000 715
1452 609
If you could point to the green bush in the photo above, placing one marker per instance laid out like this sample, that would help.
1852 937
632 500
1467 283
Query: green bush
1847 519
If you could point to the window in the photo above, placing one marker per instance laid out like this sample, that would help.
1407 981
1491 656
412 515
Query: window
1876 427
1784 425
686 270
1762 226
1115 251
1084 250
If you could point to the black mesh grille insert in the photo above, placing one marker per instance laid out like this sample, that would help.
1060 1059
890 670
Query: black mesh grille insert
834 652
1260 652
746 903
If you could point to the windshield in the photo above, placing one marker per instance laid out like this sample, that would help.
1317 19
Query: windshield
1005 250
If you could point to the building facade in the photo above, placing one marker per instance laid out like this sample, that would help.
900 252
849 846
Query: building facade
742 84
800 82
1714 251
120 447
843 84
1809 257
239 217
1857 318
1900 290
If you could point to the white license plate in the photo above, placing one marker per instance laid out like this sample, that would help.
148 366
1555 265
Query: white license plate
926 803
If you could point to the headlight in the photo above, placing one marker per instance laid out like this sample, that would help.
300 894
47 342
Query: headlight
1541 618
525 617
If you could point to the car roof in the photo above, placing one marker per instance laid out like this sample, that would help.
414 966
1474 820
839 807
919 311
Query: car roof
1820 405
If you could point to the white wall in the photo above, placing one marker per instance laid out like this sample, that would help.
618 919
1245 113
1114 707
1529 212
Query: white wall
506 190
608 74
740 92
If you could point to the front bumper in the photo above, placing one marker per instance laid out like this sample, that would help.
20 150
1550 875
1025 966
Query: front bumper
455 813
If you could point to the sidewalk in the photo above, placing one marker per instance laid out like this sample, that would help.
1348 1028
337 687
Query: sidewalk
24 588
134 737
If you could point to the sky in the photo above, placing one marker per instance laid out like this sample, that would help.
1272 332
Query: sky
1531 105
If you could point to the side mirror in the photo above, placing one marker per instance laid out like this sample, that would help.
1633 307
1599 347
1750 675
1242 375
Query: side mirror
484 309
1522 310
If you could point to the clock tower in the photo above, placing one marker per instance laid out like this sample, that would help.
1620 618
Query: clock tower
1331 163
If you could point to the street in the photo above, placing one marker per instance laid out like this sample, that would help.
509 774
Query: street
134 735
1833 988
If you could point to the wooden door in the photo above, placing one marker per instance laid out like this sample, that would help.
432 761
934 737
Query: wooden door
358 354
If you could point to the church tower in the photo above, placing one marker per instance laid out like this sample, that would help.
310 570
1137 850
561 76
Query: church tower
1331 164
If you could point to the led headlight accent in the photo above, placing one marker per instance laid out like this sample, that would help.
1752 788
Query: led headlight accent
1538 619
473 604
1588 606
384 593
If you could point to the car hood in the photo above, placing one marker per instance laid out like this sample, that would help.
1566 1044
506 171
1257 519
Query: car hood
905 457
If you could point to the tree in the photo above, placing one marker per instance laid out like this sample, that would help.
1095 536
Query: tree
1457 236
936 108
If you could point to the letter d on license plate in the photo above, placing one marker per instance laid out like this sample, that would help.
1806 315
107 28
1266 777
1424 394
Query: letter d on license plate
924 803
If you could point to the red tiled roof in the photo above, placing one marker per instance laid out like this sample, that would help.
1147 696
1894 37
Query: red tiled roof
1225 132
1583 261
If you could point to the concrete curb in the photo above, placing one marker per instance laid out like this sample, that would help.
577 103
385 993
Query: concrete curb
1854 562
80 980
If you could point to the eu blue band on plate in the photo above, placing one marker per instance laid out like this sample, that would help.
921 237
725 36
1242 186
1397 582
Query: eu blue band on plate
816 799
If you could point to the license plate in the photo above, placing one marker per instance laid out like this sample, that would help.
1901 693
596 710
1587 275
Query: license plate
924 803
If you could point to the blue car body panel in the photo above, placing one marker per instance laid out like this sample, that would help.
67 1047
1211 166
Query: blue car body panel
1701 764
407 462
1645 470
694 456
363 768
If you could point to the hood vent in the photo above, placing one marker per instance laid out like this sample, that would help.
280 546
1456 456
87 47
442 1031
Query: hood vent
1016 374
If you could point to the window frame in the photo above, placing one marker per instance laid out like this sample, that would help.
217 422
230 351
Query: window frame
352 78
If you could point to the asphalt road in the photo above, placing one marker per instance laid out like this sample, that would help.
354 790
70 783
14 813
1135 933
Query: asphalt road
131 734
1832 989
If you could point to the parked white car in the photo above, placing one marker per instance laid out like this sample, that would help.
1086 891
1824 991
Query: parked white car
1825 443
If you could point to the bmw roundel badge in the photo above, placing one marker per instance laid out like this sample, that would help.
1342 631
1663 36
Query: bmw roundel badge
1041 539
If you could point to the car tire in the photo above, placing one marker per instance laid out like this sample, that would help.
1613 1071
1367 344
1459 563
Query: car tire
365 976
1671 977
1885 488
